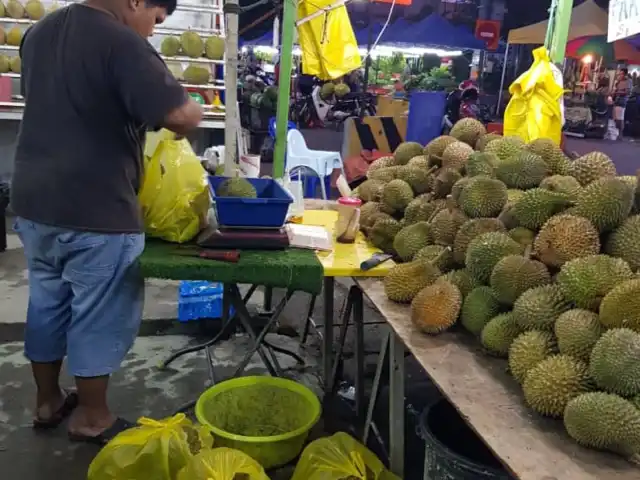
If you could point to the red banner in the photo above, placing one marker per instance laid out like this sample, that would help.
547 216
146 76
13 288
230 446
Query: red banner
489 32
398 2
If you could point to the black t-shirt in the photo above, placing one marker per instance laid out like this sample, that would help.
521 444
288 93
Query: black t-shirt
93 87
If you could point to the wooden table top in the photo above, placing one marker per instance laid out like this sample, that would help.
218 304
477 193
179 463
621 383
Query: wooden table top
530 446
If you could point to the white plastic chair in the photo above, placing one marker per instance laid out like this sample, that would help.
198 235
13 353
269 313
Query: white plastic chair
318 162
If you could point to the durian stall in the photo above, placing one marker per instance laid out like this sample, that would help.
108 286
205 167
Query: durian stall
191 42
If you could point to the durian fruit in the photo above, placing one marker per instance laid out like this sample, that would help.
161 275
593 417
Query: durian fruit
444 181
370 190
196 75
586 280
418 178
528 350
522 171
397 194
470 230
403 282
486 250
3 36
468 130
342 89
499 333
383 232
192 44
551 384
624 242
461 279
381 162
384 174
176 70
2 9
15 64
418 210
435 308
483 197
552 154
621 306
327 90
606 203
5 65
505 147
537 206
419 161
53 7
14 36
236 187
615 362
438 255
455 155
14 9
478 307
411 239
371 220
592 166
566 237
367 212
539 307
485 139
446 224
577 332
562 184
481 164
458 187
604 422
406 151
170 46
438 145
214 48
522 235
34 9
515 274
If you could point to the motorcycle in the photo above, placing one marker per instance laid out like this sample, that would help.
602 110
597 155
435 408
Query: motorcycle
464 103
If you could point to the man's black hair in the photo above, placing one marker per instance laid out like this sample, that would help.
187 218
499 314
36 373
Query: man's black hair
625 70
169 5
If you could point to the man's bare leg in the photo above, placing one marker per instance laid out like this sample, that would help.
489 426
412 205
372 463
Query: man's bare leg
50 396
92 417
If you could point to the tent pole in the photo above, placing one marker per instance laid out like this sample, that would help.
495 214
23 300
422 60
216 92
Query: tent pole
232 122
504 70
367 61
284 88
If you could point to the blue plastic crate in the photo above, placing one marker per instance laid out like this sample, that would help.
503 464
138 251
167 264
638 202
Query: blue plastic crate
198 300
269 210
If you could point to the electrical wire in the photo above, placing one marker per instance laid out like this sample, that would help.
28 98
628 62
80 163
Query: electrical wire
384 27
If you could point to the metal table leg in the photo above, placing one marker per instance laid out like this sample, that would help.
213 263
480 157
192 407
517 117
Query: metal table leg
375 390
358 320
396 405
327 340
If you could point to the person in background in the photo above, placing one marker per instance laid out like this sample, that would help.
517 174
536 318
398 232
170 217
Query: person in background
622 89
93 86
602 81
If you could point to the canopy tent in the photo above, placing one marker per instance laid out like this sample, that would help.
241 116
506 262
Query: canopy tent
431 31
266 40
587 19
599 46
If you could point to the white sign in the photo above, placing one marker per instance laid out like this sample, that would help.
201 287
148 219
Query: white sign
624 19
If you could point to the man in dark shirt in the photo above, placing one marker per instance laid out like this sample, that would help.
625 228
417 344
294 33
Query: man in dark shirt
93 86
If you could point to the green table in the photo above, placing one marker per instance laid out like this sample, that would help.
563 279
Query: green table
292 269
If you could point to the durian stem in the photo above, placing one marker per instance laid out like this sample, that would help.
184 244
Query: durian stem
435 260
451 204
528 251
635 458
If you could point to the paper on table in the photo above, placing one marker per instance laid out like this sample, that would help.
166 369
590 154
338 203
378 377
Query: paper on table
310 237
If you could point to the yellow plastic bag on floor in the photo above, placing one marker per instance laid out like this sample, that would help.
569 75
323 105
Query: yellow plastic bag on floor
534 110
222 464
329 46
174 194
155 449
340 457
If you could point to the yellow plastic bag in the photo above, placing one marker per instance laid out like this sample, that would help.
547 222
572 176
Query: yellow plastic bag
155 449
340 457
222 464
329 46
174 194
534 109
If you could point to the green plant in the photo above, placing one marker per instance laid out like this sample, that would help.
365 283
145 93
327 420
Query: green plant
438 79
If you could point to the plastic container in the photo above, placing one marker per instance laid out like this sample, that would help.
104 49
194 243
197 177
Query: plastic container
198 300
426 111
269 210
453 450
348 222
270 451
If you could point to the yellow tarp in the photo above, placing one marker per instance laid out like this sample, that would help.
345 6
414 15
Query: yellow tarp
329 46
534 109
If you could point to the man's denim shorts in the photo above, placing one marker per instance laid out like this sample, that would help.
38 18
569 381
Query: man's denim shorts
86 296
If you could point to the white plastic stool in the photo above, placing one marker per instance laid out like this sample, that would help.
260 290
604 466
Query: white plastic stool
318 162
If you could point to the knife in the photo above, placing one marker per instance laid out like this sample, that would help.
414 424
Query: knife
374 261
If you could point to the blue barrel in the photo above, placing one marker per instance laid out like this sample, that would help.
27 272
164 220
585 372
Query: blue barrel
426 110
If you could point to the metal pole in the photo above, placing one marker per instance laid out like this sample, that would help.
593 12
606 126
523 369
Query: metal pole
504 70
232 122
560 35
367 61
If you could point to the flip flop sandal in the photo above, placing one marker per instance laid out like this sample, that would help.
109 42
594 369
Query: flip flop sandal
119 426
68 406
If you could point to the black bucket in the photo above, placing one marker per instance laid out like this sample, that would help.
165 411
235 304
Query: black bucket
453 450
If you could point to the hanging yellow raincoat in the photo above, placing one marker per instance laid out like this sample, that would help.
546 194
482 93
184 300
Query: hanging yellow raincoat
534 110
329 46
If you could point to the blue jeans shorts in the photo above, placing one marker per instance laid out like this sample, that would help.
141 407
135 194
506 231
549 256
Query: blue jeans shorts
86 296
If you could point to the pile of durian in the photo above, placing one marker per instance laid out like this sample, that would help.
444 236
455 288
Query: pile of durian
192 45
534 253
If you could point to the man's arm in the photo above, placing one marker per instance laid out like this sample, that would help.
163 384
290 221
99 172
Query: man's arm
150 92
